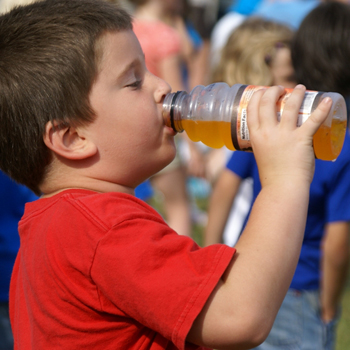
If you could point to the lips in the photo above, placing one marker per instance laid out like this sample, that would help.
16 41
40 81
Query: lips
170 130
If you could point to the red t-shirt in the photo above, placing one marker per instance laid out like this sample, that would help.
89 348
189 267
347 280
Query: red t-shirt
158 41
104 271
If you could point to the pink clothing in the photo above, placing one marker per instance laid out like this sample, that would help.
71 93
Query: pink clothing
158 41
104 271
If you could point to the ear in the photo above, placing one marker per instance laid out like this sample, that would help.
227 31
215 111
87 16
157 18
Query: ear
68 142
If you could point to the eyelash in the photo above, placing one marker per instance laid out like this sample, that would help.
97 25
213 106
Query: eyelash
135 85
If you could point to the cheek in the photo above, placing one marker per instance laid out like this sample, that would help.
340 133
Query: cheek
147 122
288 84
129 124
282 69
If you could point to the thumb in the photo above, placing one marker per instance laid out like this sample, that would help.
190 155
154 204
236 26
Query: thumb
318 116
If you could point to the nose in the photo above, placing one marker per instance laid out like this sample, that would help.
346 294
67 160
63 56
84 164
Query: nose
162 88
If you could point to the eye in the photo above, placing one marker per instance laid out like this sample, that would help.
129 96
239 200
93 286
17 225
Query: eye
135 85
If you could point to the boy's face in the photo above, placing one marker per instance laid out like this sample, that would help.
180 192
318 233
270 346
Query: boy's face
132 140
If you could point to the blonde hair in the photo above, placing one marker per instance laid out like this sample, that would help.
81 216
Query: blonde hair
248 53
7 5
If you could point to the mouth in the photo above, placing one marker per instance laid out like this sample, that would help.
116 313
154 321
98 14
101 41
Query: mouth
170 130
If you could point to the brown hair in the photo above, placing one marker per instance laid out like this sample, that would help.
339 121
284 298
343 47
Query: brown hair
49 56
321 49
138 2
246 57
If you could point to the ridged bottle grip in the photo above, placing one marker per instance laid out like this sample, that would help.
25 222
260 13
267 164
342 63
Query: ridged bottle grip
217 115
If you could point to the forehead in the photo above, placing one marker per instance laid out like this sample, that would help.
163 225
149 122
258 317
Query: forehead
116 50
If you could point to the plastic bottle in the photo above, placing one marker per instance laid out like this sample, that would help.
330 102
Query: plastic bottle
217 116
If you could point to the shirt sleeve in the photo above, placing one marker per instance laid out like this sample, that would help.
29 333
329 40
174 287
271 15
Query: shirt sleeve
338 201
160 279
241 163
338 204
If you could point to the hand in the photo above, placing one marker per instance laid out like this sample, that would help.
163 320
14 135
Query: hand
282 150
196 163
328 314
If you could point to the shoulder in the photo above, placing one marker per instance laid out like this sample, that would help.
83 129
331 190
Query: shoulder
14 196
84 207
113 207
241 159
157 39
345 153
334 173
343 159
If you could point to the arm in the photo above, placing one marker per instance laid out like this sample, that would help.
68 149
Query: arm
199 66
197 59
221 200
196 166
334 267
170 71
240 312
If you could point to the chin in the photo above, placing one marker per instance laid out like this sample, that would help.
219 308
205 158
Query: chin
173 154
166 161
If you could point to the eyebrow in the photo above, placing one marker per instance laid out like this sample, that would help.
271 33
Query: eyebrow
136 62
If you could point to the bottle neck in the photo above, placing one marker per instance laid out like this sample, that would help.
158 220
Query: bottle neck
171 110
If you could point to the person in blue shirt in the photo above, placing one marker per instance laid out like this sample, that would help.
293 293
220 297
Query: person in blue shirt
308 316
289 12
13 198
298 322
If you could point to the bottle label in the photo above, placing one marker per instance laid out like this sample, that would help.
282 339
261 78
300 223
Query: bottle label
243 138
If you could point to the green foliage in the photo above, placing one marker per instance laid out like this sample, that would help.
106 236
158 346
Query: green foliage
343 333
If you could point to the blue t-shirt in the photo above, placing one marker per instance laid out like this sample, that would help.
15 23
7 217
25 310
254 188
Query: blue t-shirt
329 202
244 7
290 13
13 197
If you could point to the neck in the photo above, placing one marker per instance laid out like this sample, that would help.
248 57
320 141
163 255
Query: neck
61 180
151 11
99 188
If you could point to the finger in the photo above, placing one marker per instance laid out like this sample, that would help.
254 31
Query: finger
253 109
292 107
318 116
268 106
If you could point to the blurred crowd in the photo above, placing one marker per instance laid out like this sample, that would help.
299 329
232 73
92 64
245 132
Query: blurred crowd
253 42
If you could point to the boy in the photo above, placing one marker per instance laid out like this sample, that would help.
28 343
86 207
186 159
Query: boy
81 124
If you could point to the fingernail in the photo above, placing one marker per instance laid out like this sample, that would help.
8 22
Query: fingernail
300 86
327 100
